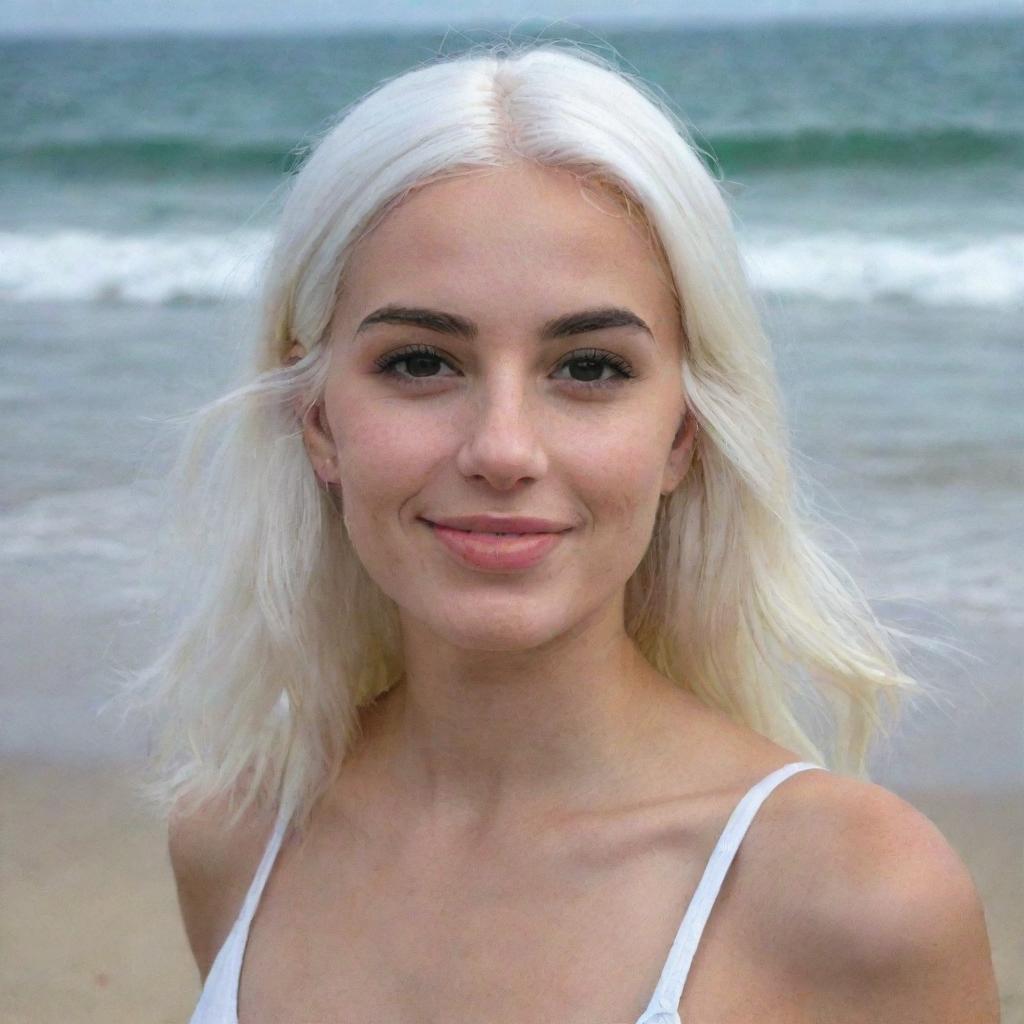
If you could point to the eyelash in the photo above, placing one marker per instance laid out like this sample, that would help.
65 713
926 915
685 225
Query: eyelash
386 364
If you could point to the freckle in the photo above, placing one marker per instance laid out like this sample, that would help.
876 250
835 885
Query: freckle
101 979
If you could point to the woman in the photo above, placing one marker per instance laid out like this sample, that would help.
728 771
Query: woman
503 586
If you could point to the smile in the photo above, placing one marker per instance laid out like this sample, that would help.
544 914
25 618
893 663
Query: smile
496 552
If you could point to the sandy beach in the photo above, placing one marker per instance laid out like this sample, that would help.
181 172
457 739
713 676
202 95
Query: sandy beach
89 923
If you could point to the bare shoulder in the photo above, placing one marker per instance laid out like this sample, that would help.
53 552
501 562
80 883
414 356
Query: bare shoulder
872 912
213 866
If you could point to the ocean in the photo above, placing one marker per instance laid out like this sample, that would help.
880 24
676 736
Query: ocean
876 172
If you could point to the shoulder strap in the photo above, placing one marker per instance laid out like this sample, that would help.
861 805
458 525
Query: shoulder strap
218 998
259 880
664 1004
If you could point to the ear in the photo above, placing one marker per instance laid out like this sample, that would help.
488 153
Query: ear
681 453
316 434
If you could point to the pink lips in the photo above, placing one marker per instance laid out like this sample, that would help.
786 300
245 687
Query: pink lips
493 551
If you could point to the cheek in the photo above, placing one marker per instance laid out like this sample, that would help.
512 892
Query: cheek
620 478
382 458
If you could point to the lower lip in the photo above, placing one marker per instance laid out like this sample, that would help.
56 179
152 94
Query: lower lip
496 552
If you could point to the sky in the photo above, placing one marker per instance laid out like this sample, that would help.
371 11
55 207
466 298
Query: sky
20 17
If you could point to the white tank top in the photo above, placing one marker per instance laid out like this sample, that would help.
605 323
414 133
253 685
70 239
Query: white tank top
218 1002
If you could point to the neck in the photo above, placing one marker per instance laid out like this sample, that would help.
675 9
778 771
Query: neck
474 742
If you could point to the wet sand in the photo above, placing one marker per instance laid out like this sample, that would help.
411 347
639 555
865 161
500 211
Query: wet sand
89 926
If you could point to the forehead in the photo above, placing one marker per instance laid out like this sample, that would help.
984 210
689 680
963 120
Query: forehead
524 234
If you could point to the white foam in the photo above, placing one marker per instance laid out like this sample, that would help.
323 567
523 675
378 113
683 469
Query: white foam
69 266
845 266
983 272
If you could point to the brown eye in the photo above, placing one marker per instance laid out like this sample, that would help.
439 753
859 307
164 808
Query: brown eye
419 360
591 363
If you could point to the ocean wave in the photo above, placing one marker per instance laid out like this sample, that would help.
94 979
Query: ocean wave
106 524
77 266
843 266
172 156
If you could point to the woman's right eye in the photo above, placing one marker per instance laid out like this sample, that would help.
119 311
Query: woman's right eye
419 360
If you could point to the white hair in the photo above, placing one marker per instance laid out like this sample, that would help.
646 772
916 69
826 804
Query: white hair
279 635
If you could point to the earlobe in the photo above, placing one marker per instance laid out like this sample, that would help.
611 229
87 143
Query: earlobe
325 473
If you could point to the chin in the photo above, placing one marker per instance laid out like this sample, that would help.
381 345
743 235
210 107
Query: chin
488 628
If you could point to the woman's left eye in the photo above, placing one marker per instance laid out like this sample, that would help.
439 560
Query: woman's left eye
596 361
591 362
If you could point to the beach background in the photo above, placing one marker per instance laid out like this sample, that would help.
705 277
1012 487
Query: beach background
876 171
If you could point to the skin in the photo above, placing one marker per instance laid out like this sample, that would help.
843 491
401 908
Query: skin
521 690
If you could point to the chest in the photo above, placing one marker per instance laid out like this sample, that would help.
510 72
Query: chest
577 933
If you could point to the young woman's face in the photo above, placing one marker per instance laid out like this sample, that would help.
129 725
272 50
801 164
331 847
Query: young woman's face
488 357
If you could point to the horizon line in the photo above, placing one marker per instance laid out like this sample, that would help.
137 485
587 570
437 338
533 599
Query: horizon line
850 18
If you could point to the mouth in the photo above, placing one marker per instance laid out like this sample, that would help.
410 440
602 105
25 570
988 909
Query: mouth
495 551
500 525
489 533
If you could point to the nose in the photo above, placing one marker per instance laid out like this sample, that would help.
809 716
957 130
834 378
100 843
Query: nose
502 440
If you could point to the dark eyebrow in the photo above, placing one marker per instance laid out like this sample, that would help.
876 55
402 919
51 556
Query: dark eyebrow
585 320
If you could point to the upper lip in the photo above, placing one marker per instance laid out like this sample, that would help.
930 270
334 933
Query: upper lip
501 524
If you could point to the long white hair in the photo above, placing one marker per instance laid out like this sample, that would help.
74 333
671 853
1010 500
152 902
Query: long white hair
278 635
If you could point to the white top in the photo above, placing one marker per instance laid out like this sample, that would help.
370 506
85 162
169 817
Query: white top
218 1002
